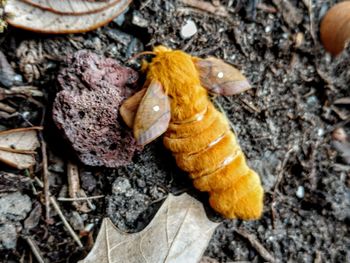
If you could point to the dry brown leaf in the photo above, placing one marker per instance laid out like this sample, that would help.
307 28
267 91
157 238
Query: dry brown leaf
180 232
17 147
30 17
72 7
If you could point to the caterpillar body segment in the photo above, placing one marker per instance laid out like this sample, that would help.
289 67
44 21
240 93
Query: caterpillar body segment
217 165
198 135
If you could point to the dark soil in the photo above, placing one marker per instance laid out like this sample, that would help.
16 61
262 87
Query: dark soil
284 126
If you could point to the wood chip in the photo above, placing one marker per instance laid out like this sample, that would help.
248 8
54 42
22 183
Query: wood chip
257 245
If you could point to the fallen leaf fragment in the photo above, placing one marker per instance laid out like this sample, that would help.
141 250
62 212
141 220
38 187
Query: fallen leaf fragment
17 147
180 232
49 16
72 7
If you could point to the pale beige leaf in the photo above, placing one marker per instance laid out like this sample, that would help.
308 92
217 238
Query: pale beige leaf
180 232
17 147
17 160
72 7
30 17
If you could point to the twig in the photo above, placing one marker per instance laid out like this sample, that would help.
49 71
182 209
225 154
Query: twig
65 199
308 4
250 105
75 191
218 10
73 179
146 3
45 178
263 252
278 181
65 222
19 151
312 175
39 182
7 108
36 251
90 204
59 212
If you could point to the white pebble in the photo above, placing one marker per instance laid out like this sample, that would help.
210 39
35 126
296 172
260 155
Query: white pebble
268 29
300 192
188 29
320 132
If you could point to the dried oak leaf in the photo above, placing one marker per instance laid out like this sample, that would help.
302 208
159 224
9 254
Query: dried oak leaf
17 147
72 7
180 232
63 16
87 109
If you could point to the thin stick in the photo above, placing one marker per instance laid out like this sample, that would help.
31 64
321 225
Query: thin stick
140 54
35 249
39 182
45 179
65 222
263 252
66 199
207 7
19 151
59 212
73 179
90 204
279 179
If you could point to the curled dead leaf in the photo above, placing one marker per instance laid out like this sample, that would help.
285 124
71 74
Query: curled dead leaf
72 7
61 17
180 232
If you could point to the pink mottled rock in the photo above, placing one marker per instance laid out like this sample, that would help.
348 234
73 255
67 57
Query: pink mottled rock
87 109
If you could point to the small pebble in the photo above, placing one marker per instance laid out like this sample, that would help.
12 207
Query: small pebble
188 30
14 206
138 20
320 132
76 221
268 29
300 192
8 236
299 39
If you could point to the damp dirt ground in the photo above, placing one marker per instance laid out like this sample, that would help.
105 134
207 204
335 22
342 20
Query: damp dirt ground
285 126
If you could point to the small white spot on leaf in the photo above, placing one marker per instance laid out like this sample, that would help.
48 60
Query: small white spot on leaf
220 75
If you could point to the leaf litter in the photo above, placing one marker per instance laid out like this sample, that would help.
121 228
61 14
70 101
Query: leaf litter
17 147
179 232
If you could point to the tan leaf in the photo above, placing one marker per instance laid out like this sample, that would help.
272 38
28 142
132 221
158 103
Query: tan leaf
62 18
17 147
72 7
180 232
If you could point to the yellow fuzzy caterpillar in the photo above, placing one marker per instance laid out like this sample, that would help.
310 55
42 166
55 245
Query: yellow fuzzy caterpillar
175 103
